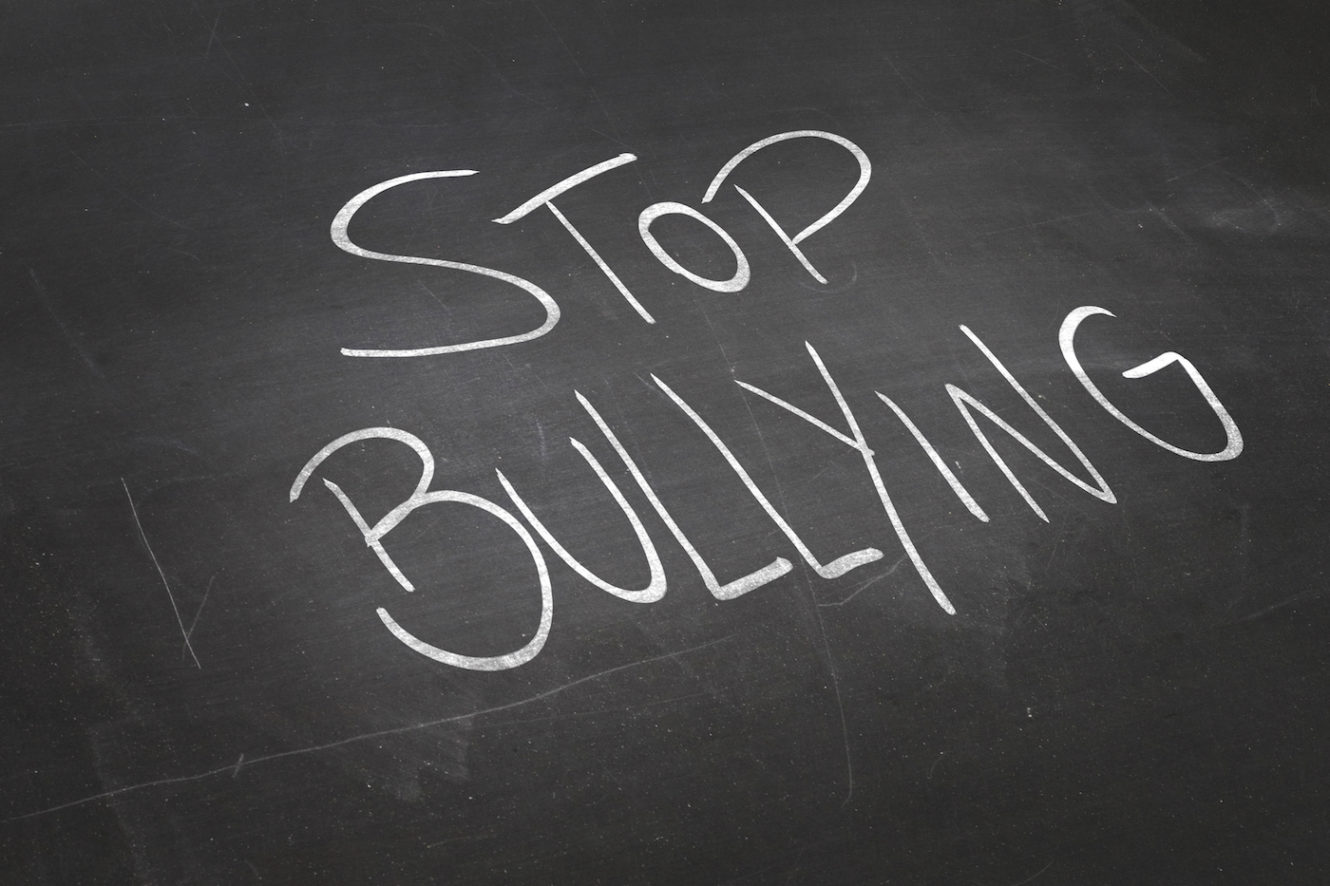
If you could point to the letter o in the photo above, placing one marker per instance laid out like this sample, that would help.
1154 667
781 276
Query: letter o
656 210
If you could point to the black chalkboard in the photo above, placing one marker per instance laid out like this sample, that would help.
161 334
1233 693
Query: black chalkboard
644 442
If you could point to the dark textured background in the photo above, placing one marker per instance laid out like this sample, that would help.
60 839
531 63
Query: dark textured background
1128 693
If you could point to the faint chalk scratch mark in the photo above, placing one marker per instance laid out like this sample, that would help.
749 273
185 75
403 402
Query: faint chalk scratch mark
908 85
1041 61
464 838
212 37
1147 71
598 712
866 585
1057 543
240 79
65 331
193 624
125 194
564 43
1196 170
840 703
1035 876
604 112
716 338
234 768
1172 226
1279 222
1275 607
439 301
920 234
166 584
1037 224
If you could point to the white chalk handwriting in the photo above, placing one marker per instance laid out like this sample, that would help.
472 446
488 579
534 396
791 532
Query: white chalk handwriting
852 436
845 428
736 282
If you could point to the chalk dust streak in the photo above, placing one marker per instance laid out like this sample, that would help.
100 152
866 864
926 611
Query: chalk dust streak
166 584
234 768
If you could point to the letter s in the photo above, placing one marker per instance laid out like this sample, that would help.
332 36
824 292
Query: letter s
339 237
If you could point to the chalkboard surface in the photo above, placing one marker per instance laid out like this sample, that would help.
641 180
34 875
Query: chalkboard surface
644 442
